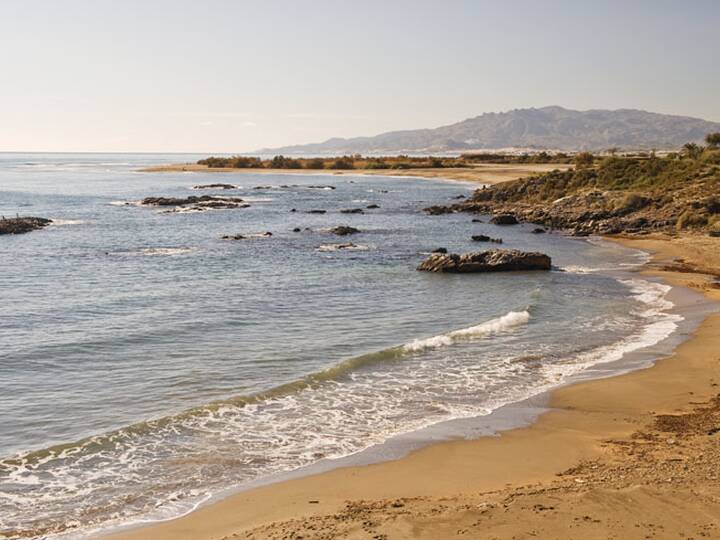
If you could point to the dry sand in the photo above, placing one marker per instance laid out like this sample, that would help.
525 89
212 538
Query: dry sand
489 173
633 456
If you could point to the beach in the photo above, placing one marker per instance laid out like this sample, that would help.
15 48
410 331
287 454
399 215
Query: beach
485 173
632 456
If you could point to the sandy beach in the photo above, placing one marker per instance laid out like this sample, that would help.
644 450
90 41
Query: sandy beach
633 456
486 173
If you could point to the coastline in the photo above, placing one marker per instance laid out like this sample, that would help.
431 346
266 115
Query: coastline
587 422
488 173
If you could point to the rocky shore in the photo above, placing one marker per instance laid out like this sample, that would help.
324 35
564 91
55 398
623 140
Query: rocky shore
621 195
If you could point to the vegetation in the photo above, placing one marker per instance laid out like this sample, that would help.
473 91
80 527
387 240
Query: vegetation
680 191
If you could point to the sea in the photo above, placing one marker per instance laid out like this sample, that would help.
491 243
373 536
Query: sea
148 365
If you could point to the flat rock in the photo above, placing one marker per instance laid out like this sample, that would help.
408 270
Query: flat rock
215 186
496 260
21 225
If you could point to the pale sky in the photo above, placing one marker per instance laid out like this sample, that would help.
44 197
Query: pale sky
234 76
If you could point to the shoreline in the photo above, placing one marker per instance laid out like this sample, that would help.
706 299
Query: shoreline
487 173
580 417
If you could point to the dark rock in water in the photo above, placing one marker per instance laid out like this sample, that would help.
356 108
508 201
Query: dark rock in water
438 210
344 230
504 219
372 206
243 237
483 238
539 230
460 197
477 220
215 186
262 187
21 225
317 211
293 210
296 229
321 187
497 260
198 203
351 211
440 250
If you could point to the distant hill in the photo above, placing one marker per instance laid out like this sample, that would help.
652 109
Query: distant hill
549 127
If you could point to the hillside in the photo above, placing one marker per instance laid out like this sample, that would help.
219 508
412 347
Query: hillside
548 127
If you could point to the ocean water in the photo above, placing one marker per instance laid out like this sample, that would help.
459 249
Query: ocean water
146 364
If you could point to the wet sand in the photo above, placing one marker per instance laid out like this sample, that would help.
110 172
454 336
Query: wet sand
633 456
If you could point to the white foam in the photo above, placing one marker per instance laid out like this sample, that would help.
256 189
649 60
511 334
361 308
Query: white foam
61 222
507 322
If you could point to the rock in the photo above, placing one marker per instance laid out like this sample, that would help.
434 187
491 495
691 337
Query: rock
344 230
440 250
438 210
215 186
317 211
21 225
262 187
538 230
477 220
351 211
233 237
321 187
199 203
460 197
294 210
296 229
497 260
483 238
504 219
372 206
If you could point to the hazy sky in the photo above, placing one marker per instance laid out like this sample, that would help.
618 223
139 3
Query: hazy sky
234 76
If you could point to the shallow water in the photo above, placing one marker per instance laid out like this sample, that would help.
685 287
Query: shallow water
146 364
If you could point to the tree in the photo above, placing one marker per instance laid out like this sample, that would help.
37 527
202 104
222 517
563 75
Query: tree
692 150
713 139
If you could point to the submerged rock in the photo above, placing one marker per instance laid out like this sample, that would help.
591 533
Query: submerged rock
497 260
344 230
215 186
21 225
504 219
483 238
351 211
372 206
438 210
317 211
538 230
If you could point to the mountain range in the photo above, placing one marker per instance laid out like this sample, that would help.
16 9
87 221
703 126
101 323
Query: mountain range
553 128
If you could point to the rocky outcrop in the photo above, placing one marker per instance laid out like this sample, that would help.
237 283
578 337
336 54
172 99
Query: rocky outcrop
344 230
497 260
205 202
21 225
484 238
